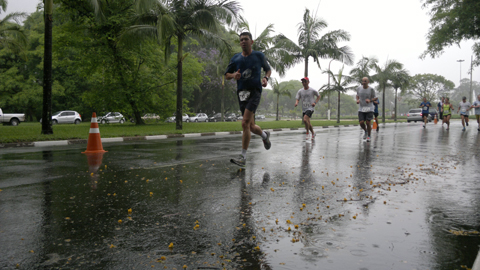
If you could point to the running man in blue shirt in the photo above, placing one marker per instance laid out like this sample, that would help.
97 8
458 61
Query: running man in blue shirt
375 112
425 105
246 68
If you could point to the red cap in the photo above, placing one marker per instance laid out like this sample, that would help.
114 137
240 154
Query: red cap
306 79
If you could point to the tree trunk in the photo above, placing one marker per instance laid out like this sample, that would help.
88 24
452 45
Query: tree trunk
47 70
395 104
222 106
306 67
178 119
278 98
338 108
136 113
383 105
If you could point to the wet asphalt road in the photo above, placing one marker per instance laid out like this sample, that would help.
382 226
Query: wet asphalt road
409 199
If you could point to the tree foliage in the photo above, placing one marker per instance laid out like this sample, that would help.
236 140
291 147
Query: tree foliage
431 86
340 83
311 44
363 68
282 89
384 76
452 21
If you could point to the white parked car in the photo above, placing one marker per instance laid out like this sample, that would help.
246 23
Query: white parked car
111 117
151 116
11 118
200 117
66 117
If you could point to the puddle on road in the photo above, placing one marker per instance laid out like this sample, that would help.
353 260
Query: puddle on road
363 209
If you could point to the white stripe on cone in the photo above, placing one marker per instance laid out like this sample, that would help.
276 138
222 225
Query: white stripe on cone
94 130
94 120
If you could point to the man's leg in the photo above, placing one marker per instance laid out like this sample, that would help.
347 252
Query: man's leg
247 122
369 127
362 125
308 124
466 120
463 120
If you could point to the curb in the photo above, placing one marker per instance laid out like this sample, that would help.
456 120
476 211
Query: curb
153 137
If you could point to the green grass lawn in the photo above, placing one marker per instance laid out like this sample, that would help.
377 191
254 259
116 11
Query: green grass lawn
31 132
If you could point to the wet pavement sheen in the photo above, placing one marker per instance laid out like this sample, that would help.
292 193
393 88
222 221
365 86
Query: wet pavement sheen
409 199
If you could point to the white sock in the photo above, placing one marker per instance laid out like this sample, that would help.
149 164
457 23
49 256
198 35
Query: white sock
264 135
244 153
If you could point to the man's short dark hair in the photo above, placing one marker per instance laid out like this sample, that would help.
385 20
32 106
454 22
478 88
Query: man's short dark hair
246 34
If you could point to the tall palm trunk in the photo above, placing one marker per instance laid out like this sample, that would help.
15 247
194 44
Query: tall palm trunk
395 104
306 67
47 70
222 106
178 119
278 98
383 105
338 108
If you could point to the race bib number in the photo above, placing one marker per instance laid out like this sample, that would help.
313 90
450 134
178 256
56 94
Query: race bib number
366 109
306 104
425 108
463 110
243 95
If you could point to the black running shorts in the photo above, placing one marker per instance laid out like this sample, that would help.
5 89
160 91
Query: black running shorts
251 103
308 113
365 116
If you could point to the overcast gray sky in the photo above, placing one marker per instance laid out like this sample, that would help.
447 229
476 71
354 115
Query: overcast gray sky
393 29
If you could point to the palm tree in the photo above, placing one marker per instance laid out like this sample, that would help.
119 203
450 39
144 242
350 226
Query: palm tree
341 84
384 76
311 44
11 35
401 79
174 20
281 89
363 68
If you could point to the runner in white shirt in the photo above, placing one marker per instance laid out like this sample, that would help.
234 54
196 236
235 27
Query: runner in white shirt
307 95
464 107
476 105
365 98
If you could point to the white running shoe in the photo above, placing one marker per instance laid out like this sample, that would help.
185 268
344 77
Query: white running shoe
365 135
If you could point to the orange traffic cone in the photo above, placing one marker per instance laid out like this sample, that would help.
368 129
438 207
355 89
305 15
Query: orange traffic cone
374 124
435 120
94 144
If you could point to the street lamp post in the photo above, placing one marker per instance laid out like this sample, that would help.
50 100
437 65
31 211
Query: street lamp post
460 61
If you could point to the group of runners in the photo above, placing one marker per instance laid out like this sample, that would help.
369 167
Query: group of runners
445 109
246 68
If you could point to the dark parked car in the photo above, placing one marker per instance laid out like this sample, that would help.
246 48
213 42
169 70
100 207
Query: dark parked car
230 117
227 117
